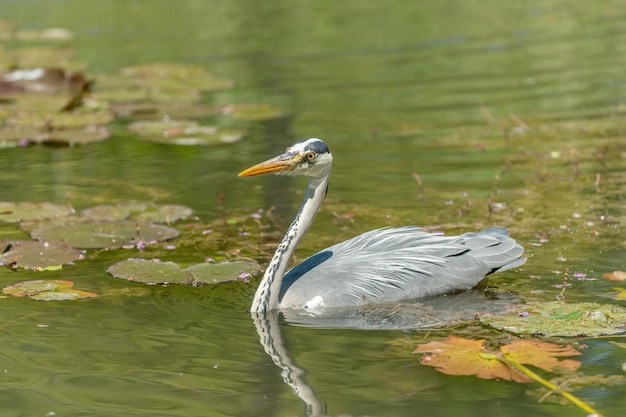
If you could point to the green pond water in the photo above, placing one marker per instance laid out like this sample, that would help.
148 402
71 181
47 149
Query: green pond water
510 114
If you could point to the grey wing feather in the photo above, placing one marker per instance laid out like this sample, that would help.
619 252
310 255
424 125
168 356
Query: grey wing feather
394 264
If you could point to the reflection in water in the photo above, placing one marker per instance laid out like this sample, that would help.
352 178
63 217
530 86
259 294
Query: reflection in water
429 313
271 338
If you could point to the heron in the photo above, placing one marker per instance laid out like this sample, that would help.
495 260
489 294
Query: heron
382 266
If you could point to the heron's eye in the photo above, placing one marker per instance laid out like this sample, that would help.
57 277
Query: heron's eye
310 156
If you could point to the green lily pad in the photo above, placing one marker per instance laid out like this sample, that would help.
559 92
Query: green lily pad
36 56
12 136
176 77
59 121
105 234
28 288
562 319
39 256
49 34
91 134
47 290
168 213
142 212
65 295
15 212
150 272
253 112
154 272
120 211
182 132
213 273
157 111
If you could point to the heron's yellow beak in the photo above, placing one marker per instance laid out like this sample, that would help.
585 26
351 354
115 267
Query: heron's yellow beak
281 164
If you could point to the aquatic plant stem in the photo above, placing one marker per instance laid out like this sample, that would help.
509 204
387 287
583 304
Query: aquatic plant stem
525 371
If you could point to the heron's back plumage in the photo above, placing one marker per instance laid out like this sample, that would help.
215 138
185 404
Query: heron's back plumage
395 264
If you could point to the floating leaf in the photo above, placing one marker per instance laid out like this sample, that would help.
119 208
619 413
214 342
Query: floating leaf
39 256
65 295
120 211
89 135
155 272
15 212
183 132
150 272
563 319
619 295
142 212
158 111
176 77
164 214
105 234
47 290
458 356
253 112
28 288
212 273
616 276
50 34
59 121
542 355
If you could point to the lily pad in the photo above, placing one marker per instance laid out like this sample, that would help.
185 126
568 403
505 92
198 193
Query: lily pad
213 273
47 290
15 212
39 256
139 211
59 121
458 356
154 272
183 132
176 77
91 134
562 319
150 272
120 211
105 234
158 111
164 213
253 112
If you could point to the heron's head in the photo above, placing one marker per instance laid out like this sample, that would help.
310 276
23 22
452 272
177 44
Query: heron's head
310 158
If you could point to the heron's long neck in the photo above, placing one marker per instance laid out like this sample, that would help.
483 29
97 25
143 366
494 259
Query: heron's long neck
266 297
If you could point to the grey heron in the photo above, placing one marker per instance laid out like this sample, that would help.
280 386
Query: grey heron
378 267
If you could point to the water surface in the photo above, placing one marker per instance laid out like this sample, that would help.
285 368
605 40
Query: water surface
517 106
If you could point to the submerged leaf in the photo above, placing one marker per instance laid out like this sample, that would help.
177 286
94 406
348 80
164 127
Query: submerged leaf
458 356
541 355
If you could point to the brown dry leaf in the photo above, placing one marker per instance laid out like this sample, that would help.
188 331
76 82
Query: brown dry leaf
616 276
458 356
541 355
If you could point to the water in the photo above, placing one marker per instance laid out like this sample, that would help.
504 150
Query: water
517 105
